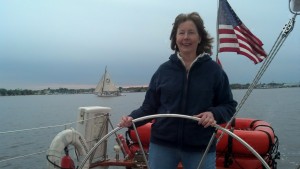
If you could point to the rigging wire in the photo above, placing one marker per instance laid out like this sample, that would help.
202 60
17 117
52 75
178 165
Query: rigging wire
287 29
280 40
22 156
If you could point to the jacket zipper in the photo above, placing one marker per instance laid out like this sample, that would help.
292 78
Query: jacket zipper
183 109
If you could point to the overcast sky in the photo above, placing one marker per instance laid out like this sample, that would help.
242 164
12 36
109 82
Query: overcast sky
68 43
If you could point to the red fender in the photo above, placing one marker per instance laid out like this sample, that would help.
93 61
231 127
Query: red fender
124 147
67 162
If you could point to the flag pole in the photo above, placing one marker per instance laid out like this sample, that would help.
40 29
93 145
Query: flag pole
217 60
217 32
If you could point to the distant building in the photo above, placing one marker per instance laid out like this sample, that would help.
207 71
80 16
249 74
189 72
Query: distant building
291 84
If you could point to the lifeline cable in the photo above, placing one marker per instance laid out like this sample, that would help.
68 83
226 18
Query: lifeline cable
46 127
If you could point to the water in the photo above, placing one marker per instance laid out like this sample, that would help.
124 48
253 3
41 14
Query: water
280 107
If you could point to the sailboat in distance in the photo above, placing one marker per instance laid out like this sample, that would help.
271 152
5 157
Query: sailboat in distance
106 87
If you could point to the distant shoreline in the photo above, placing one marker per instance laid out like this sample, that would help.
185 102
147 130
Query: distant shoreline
49 91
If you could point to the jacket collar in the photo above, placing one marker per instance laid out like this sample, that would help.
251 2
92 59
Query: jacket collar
200 58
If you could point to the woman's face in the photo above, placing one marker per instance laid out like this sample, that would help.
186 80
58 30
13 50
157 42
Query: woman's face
187 38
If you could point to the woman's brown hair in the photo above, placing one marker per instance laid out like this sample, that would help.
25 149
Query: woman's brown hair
206 41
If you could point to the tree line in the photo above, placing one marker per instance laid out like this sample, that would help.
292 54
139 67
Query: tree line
49 91
20 92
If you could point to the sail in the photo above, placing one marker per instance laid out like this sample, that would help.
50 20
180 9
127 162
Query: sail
106 87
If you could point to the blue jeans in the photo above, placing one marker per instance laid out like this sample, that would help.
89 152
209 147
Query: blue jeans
162 157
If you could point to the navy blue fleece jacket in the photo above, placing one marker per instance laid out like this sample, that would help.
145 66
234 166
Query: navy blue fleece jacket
172 90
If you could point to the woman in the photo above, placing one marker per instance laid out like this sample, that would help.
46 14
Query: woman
189 83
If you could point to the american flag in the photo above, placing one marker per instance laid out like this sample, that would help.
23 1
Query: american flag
234 36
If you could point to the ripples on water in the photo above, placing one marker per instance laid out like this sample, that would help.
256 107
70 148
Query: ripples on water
280 107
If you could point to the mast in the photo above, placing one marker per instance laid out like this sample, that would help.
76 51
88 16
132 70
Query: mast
104 79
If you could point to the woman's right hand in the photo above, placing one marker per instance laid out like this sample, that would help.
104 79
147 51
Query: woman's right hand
126 121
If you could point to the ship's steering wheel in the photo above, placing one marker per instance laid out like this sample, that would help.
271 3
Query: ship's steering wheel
173 116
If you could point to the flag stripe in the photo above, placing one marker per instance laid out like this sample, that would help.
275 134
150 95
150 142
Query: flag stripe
246 41
256 43
228 40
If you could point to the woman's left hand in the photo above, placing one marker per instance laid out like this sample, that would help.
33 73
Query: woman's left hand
206 119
